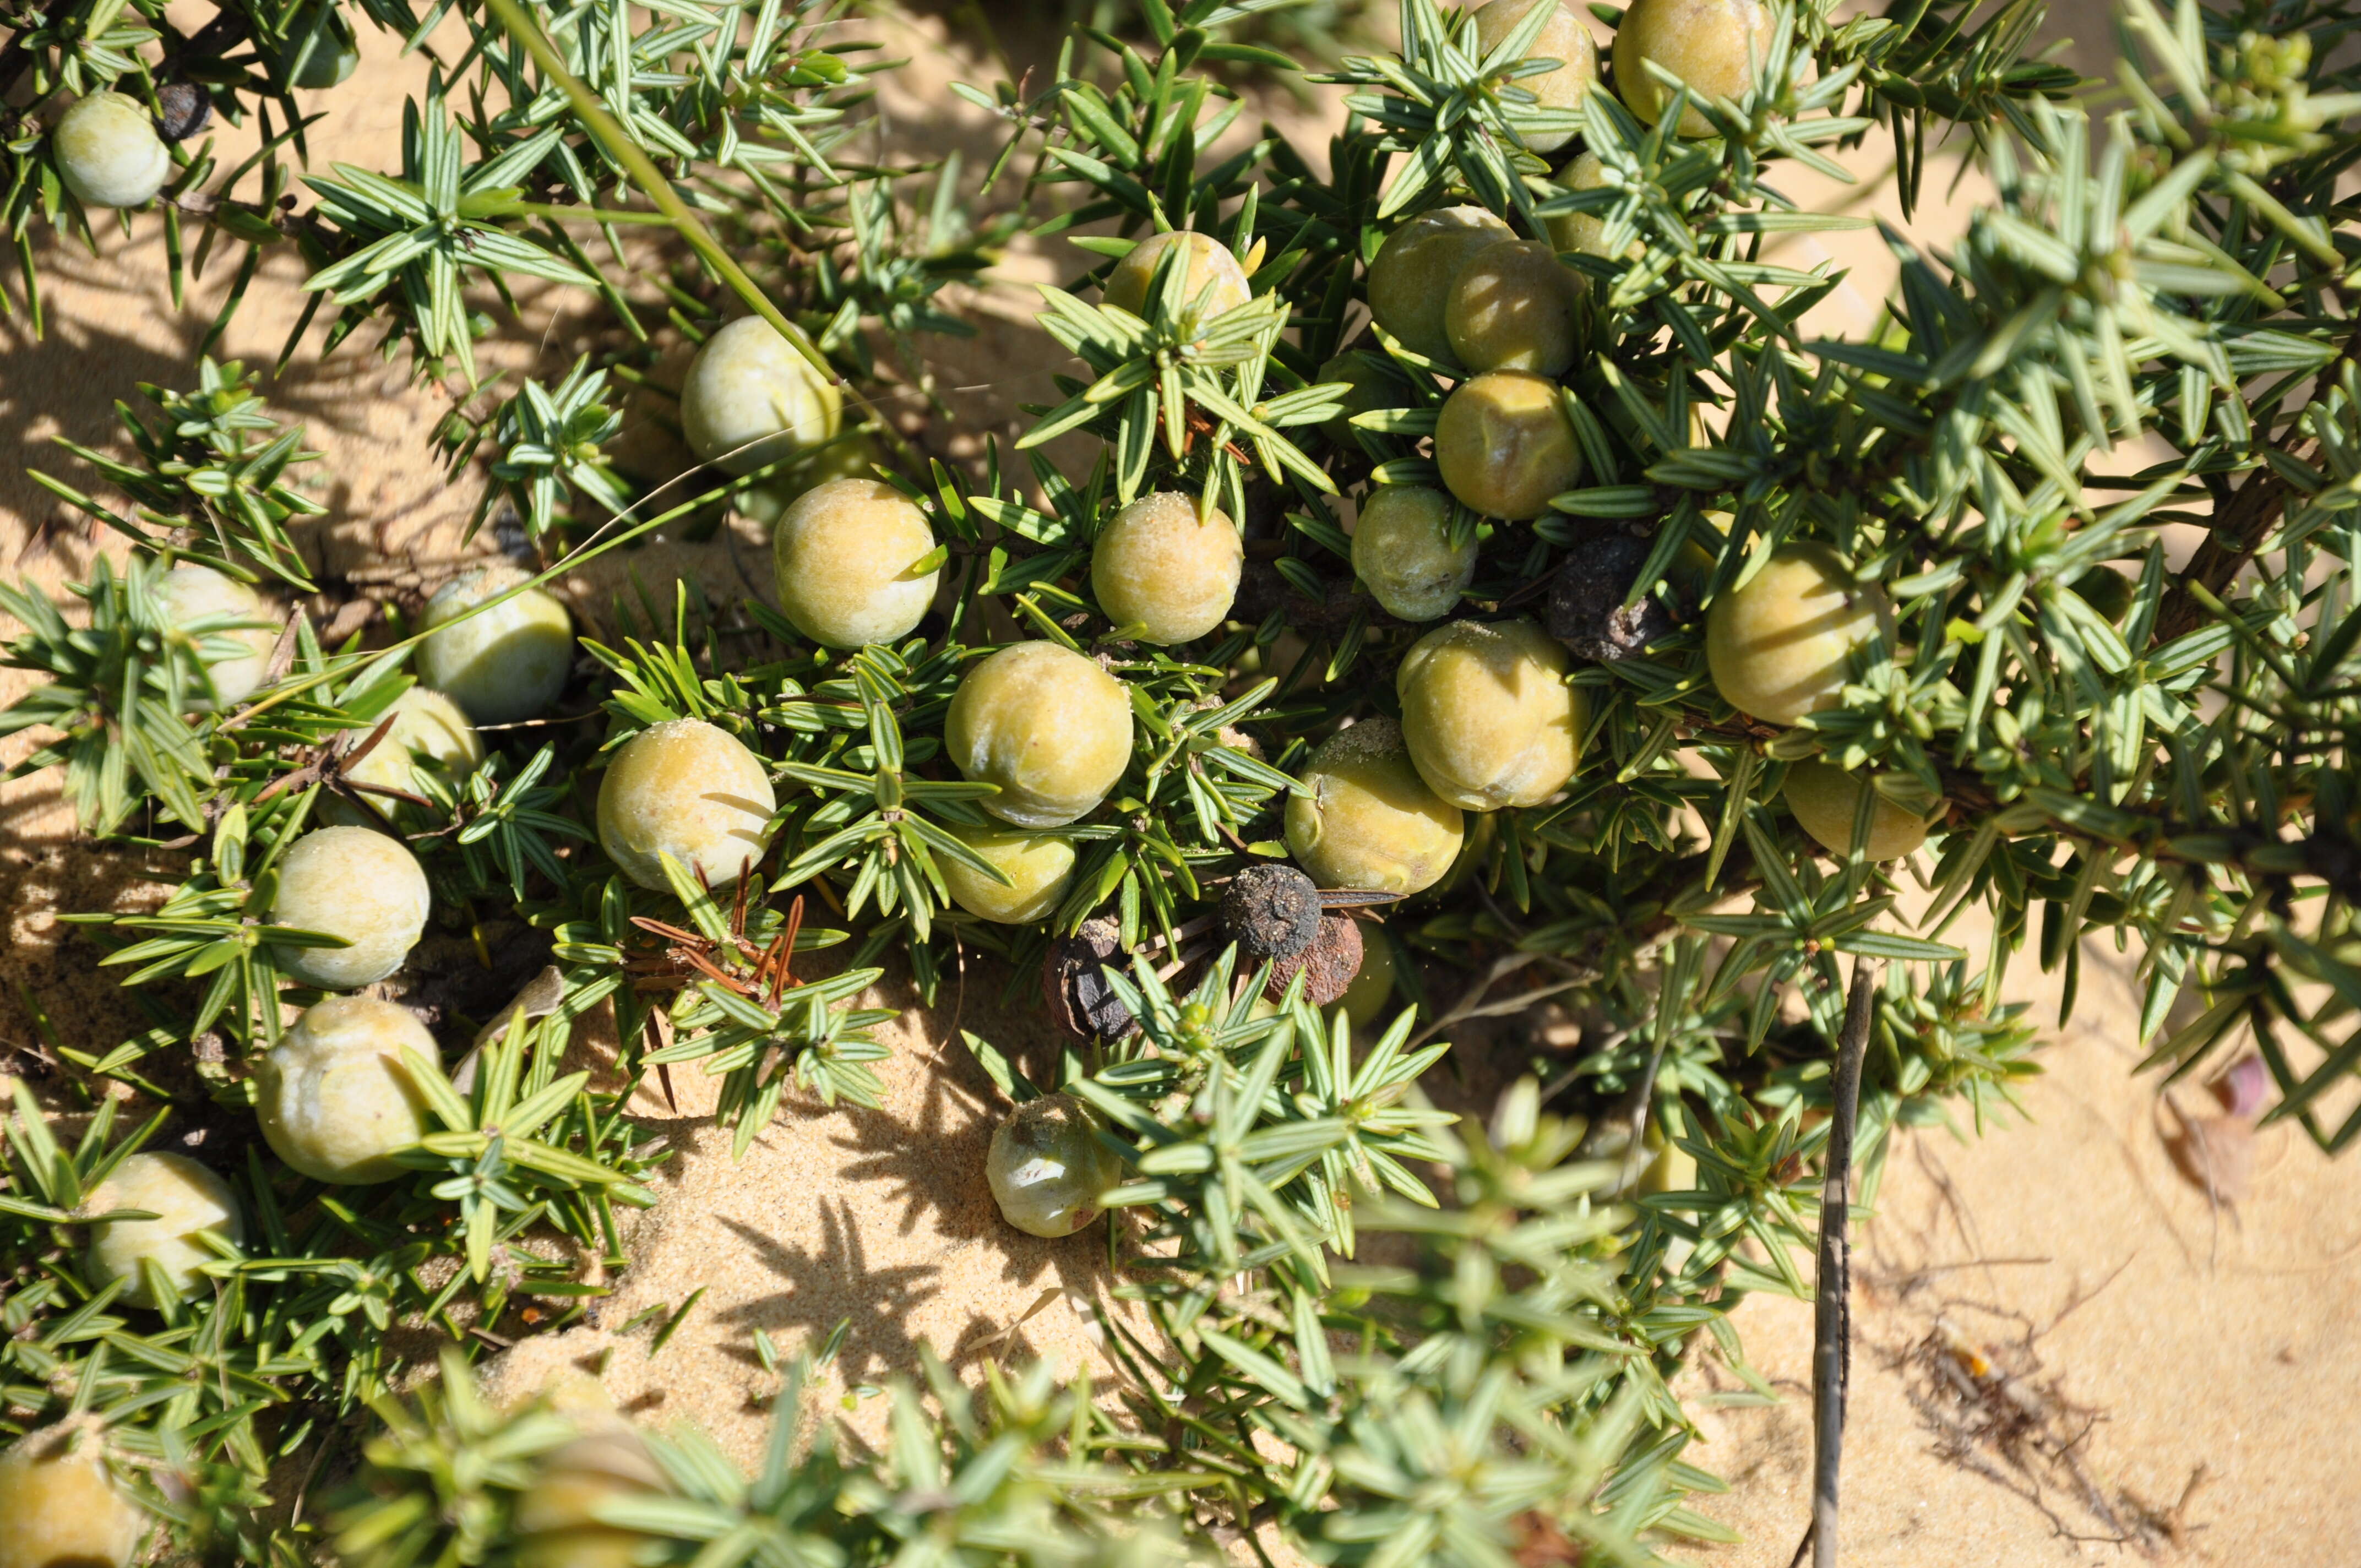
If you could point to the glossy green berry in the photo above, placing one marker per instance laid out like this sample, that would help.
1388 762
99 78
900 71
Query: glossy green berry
505 664
108 153
235 659
752 399
1716 47
319 50
1048 1168
1214 274
1365 1000
2106 590
851 557
1410 278
1371 389
1782 643
1563 39
334 1098
429 730
1047 725
1404 555
1582 232
188 1201
556 1518
1505 445
687 790
1824 798
1487 713
356 883
1512 309
1161 568
59 1505
1368 821
1040 869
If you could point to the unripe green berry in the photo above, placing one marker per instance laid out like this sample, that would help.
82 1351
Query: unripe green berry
190 593
556 1518
1563 39
356 883
428 728
1714 46
188 1202
108 153
505 664
1040 869
59 1506
319 50
1487 716
687 790
1158 566
751 399
1365 1001
1824 798
1047 725
334 1096
2106 590
1213 273
1512 309
1402 552
1369 821
1505 445
847 553
1582 232
1410 278
1371 389
1048 1168
1781 644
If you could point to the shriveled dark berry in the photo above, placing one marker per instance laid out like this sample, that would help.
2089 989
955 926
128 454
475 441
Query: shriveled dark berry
1587 612
186 107
1328 963
1271 911
1075 986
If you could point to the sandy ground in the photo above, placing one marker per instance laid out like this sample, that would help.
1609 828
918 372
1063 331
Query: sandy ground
2140 1337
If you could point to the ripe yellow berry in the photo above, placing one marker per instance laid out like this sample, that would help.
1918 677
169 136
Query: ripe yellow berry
687 790
1050 727
1824 798
1716 47
1213 273
1048 1168
1563 39
334 1100
556 1518
108 152
1781 644
1512 309
1505 445
188 1202
59 1506
508 664
1157 566
356 883
848 554
1040 871
1402 552
190 593
1369 821
751 399
1487 716
428 729
1410 278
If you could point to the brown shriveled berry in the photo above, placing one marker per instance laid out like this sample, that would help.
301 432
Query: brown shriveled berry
1271 911
1328 963
1074 982
1587 612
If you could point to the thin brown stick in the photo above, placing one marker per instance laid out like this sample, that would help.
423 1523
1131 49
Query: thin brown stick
1832 1315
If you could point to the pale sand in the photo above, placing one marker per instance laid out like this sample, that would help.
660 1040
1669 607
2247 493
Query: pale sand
2224 1340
